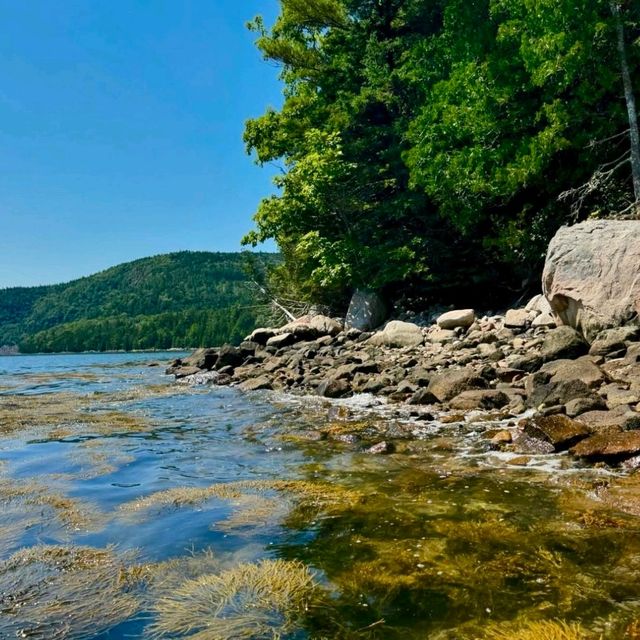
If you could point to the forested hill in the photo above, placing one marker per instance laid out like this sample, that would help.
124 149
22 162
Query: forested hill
184 299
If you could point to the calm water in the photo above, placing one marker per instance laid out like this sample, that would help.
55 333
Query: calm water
135 508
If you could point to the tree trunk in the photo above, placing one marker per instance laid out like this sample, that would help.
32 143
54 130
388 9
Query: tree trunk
634 135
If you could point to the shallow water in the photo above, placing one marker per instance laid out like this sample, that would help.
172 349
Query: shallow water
165 502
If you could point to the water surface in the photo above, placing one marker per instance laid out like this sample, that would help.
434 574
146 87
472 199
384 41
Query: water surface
136 508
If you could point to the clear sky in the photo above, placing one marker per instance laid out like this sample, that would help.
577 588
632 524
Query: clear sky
121 131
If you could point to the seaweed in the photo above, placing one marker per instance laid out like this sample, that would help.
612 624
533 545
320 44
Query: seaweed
56 593
538 630
251 600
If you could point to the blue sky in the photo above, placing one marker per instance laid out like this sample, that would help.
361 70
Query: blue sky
121 131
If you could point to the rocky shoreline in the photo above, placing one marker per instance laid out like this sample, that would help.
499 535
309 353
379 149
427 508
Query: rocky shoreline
580 397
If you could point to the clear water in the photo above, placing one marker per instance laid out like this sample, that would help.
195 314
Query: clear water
442 539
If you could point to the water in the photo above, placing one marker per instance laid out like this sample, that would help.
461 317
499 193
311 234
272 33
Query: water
132 507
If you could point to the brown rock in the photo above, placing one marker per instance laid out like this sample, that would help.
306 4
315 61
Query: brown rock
479 399
609 446
559 430
334 388
255 384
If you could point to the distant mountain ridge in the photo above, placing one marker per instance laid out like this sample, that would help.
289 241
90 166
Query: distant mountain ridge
184 299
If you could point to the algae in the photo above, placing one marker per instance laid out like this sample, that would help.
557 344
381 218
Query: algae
56 593
538 630
252 600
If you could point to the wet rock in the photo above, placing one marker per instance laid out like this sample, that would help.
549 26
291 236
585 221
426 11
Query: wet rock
377 383
525 444
334 388
183 372
398 334
381 448
563 342
609 446
463 318
558 430
255 384
479 399
502 437
447 385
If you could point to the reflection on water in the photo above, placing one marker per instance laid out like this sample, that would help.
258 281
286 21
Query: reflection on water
133 508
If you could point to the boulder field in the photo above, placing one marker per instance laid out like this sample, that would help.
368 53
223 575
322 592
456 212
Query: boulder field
564 393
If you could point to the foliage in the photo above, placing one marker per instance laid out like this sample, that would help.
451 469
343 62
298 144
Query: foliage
424 145
186 299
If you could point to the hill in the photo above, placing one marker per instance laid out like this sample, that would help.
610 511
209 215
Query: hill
184 299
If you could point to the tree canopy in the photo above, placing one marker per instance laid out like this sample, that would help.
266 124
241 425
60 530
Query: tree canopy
425 144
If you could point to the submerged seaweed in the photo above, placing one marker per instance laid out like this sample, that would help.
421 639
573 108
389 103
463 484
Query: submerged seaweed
252 600
53 592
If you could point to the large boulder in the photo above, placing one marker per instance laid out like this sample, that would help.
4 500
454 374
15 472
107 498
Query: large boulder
398 334
592 275
452 382
367 310
457 318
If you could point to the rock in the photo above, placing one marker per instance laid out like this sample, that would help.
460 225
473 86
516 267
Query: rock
579 406
539 304
479 399
619 419
459 318
528 362
367 310
591 275
325 326
611 340
183 372
398 334
381 448
229 356
563 342
422 396
490 352
618 396
334 388
255 384
524 443
579 369
201 358
560 431
281 340
557 393
517 319
544 320
440 336
448 384
609 446
376 384
261 335
501 437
